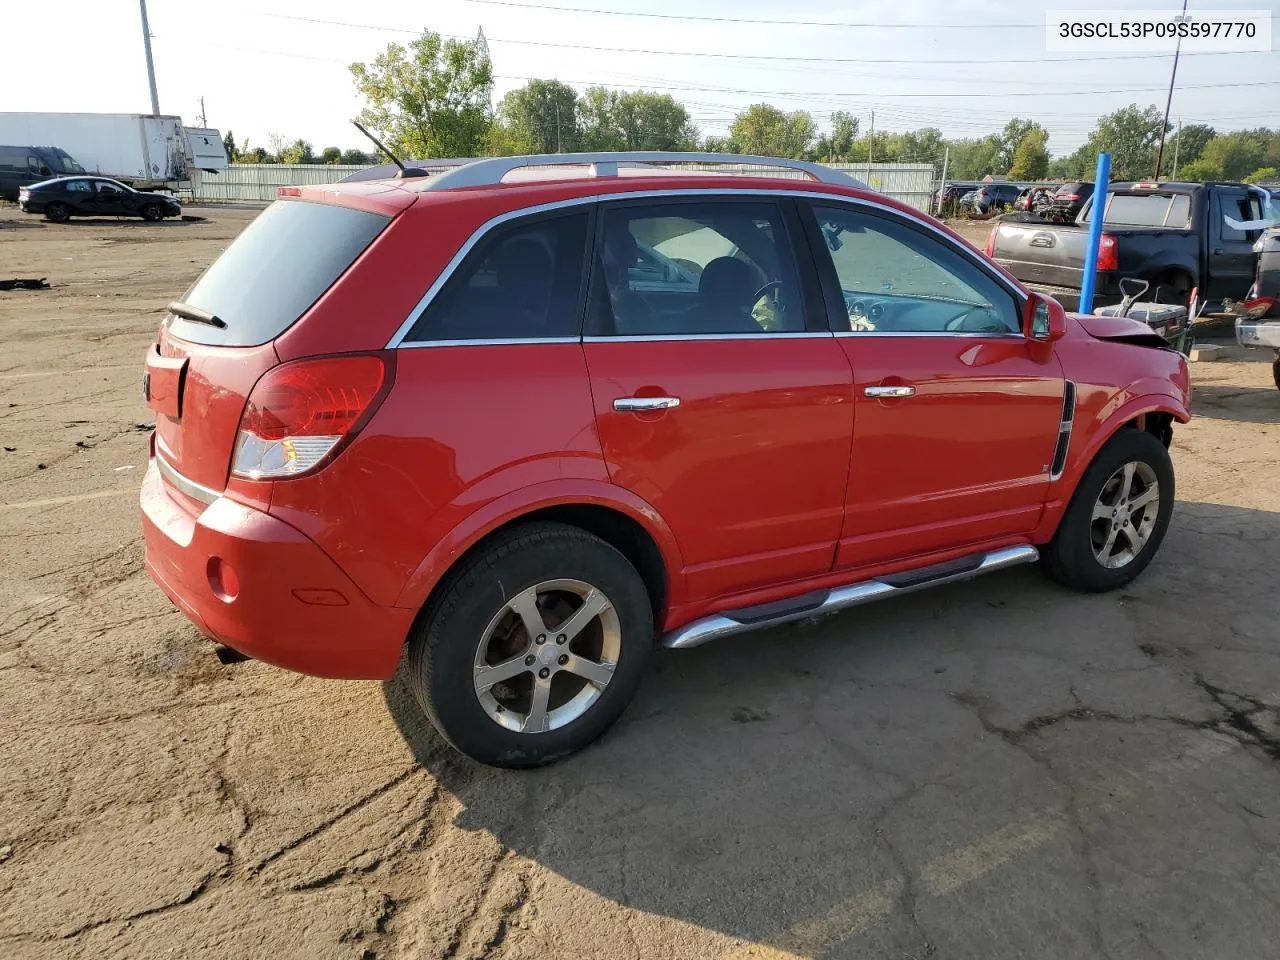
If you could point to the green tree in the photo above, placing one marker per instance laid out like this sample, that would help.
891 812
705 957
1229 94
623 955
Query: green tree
764 130
229 144
719 145
653 121
595 117
300 151
540 117
1031 158
331 155
974 158
1188 144
1230 156
431 99
358 158
1014 132
1131 135
248 154
1263 175
838 145
921 146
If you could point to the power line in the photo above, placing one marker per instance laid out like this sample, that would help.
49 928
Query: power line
770 22
744 56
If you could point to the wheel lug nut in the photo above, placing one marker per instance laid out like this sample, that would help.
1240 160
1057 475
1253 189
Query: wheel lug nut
561 639
530 660
542 638
544 673
563 660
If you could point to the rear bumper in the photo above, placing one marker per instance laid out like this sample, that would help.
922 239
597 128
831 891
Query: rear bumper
1258 333
284 601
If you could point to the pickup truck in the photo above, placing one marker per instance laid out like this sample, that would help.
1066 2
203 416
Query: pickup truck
1173 235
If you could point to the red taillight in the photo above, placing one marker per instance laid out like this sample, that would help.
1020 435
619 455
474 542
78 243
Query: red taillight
991 241
289 192
299 412
1108 253
1073 197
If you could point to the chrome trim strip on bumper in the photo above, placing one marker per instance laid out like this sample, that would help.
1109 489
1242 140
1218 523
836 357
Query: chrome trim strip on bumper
718 625
180 483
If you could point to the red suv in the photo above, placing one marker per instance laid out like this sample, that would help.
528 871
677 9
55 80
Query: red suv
515 423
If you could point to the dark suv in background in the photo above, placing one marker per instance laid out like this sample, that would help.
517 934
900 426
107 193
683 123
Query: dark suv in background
995 197
1067 201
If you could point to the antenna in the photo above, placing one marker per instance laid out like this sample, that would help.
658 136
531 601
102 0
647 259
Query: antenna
404 171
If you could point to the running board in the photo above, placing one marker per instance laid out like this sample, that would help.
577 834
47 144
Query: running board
829 601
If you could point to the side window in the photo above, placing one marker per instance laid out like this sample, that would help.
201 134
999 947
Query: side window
712 267
896 278
1241 207
79 186
104 187
522 282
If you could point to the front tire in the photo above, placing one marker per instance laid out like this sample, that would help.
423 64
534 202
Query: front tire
1117 518
58 212
152 213
534 647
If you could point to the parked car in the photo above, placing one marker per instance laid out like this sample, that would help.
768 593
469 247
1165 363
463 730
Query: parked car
1173 235
60 200
460 423
1033 199
946 198
23 166
1067 201
995 197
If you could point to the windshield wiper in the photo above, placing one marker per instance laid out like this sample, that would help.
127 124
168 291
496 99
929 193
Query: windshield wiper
196 315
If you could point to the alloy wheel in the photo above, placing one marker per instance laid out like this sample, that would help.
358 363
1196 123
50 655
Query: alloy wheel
1124 515
546 657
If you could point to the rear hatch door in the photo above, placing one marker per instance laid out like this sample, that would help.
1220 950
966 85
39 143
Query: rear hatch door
218 340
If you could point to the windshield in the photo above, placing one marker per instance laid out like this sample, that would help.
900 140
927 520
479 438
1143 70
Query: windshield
63 163
275 270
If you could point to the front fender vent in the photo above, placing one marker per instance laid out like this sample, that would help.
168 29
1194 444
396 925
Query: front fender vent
1064 431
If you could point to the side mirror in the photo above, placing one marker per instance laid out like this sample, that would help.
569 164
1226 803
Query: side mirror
1045 319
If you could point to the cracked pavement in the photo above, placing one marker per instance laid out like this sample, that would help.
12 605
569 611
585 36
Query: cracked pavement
998 769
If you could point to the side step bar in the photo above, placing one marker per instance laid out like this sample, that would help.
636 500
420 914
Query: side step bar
814 604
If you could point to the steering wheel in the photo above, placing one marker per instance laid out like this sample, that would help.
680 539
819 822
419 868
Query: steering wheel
771 285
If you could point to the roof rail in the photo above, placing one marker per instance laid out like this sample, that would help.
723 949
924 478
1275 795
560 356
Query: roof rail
491 170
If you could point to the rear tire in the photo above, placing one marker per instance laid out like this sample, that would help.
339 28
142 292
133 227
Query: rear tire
480 626
57 212
1114 524
1275 372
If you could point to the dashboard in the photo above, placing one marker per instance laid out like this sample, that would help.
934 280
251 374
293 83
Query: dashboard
906 314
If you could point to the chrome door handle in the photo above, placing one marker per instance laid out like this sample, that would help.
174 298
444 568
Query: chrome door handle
882 392
641 404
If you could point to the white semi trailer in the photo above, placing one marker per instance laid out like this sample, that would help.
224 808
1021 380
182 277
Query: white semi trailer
147 152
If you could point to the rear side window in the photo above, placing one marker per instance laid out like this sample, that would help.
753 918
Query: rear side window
275 270
523 282
1146 210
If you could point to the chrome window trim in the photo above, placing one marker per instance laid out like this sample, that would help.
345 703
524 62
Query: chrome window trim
764 334
969 334
486 342
398 338
195 491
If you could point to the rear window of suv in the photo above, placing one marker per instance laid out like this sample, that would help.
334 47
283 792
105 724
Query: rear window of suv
275 270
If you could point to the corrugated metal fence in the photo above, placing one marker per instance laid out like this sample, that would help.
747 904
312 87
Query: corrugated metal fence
911 183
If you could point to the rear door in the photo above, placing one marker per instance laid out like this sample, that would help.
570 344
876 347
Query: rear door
1231 257
723 403
80 196
272 273
956 413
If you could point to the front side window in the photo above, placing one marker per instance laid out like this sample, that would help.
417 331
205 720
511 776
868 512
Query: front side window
714 267
895 278
1241 207
523 282
109 188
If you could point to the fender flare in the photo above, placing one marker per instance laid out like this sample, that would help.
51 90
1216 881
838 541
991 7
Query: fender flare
518 503
1102 434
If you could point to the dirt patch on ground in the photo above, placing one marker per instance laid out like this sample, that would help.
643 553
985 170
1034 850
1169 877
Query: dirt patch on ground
998 769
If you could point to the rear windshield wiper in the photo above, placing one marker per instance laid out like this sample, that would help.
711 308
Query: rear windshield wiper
196 315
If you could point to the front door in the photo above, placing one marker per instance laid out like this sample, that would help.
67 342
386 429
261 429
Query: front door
721 397
956 413
1232 261
112 200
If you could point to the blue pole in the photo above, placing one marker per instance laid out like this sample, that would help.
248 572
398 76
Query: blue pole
1101 177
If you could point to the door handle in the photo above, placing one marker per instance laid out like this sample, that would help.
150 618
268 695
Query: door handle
641 404
885 392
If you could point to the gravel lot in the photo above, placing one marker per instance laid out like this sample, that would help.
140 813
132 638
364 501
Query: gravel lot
998 769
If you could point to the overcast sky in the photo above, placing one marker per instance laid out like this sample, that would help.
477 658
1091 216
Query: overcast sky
263 71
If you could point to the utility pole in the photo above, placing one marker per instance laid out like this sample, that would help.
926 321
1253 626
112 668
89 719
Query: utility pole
151 67
871 139
1177 51
1176 145
942 189
558 149
203 122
